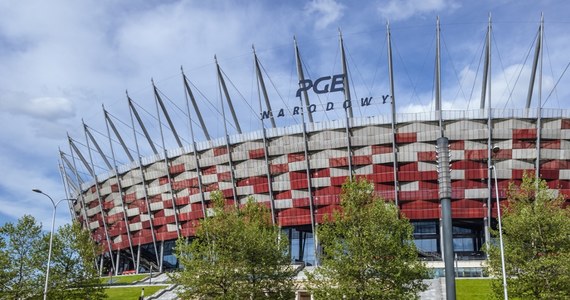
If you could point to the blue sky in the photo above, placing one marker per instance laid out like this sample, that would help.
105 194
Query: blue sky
62 60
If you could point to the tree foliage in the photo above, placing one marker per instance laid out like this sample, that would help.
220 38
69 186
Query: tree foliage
73 274
24 251
536 235
236 254
367 250
23 260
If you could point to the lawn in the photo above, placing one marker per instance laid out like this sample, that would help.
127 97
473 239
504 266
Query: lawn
126 293
475 289
123 279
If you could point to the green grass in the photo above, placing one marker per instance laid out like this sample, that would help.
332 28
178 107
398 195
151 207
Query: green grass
123 279
475 289
126 293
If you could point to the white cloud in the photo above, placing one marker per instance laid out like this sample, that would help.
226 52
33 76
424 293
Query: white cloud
326 12
49 108
396 10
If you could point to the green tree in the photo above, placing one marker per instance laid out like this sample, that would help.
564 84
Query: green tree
73 274
236 254
367 251
536 235
25 252
4 270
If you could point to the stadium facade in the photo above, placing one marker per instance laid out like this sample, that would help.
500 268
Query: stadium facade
137 211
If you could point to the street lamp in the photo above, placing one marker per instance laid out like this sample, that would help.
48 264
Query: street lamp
54 204
501 245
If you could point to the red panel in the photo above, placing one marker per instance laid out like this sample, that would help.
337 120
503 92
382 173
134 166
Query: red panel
419 195
457 145
518 174
476 154
256 153
359 160
282 195
469 184
331 190
294 216
555 165
503 154
209 170
220 151
477 174
184 200
159 221
470 213
468 164
428 185
162 180
420 204
383 187
177 169
165 236
421 214
338 180
321 173
228 193
296 175
171 220
381 149
261 188
278 168
552 144
381 177
326 213
338 162
565 124
301 202
108 205
566 193
292 157
251 181
193 215
224 176
549 174
426 156
529 133
524 144
326 200
299 184
382 168
413 166
467 203
408 176
115 188
406 137
559 184
211 187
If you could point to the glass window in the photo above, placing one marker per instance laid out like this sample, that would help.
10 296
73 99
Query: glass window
463 244
462 230
426 245
425 227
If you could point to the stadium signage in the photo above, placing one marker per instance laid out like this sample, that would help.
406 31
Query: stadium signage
321 86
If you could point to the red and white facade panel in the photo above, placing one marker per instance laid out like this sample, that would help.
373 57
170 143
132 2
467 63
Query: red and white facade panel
148 207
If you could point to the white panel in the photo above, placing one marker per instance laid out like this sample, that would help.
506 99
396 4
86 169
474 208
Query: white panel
457 174
476 193
410 186
285 203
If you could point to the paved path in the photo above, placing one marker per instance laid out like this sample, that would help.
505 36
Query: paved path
435 290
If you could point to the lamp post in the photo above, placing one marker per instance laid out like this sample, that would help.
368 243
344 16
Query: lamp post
54 204
501 245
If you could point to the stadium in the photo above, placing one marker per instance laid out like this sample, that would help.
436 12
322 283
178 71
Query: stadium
137 210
